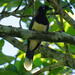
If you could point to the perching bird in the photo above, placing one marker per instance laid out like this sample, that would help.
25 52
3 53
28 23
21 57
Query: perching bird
38 23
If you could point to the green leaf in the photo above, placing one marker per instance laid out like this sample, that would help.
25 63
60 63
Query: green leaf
19 65
1 44
7 72
37 4
57 71
36 64
71 48
11 67
54 27
20 68
28 11
71 31
4 59
2 2
13 3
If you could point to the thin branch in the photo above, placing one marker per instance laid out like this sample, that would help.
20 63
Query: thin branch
47 52
20 23
6 14
18 6
16 43
51 67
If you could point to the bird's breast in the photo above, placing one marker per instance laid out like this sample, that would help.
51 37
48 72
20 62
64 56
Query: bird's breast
39 27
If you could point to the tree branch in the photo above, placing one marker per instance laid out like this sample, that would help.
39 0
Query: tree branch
58 8
59 56
43 36
16 43
49 68
45 52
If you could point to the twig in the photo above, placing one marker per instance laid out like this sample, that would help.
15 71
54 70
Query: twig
20 22
18 6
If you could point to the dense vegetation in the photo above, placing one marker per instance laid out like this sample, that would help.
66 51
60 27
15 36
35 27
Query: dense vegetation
56 54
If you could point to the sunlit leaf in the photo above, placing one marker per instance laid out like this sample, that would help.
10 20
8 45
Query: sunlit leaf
71 31
66 26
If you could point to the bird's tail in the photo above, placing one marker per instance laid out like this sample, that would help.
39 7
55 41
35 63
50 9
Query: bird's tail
29 60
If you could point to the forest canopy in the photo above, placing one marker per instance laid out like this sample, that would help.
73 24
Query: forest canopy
56 54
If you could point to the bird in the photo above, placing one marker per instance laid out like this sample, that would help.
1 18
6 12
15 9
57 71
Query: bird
39 23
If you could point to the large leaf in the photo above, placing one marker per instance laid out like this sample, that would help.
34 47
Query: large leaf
4 58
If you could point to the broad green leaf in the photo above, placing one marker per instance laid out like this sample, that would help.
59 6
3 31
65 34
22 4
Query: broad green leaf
4 59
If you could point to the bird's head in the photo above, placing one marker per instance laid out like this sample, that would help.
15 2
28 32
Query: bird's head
43 9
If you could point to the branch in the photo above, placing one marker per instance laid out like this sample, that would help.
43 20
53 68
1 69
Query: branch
59 56
45 52
43 36
6 14
16 43
58 8
51 67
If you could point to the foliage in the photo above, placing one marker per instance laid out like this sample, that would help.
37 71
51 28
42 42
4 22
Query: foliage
25 9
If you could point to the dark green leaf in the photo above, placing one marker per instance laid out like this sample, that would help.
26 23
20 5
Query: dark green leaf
1 44
4 58
71 48
7 72
11 67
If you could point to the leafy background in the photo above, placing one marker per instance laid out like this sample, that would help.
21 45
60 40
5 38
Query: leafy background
25 9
